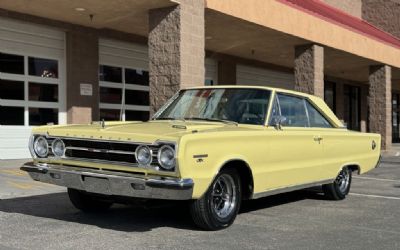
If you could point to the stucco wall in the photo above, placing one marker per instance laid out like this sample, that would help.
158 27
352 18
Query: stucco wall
352 7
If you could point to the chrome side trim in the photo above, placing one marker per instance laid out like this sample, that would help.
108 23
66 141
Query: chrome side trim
290 188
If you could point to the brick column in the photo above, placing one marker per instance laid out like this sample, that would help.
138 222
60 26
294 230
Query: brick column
176 50
309 69
82 59
379 103
226 72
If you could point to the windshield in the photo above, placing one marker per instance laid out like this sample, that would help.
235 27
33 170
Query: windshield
247 106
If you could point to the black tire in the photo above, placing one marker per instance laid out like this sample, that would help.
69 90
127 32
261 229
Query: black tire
207 212
86 202
340 187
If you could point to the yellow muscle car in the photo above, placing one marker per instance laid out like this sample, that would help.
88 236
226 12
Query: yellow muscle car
212 146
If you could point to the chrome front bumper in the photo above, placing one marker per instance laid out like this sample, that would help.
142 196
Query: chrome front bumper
108 183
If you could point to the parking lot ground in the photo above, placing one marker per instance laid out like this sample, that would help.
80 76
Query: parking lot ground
41 217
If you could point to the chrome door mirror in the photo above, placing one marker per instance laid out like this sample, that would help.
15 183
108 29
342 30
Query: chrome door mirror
279 121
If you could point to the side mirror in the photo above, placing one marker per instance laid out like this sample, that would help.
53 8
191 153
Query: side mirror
279 121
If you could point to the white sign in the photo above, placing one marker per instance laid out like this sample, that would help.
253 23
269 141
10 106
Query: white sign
86 89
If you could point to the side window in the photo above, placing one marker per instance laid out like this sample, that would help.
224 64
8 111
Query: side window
316 119
294 109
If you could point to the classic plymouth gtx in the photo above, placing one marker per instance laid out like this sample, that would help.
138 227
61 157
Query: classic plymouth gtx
212 146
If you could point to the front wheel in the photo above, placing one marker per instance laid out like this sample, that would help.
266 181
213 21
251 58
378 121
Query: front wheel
219 206
340 187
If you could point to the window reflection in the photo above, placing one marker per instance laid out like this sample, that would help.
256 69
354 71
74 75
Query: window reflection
109 114
135 76
43 67
131 115
110 74
135 97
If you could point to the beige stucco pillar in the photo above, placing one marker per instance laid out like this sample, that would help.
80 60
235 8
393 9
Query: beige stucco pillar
176 50
82 60
309 69
379 102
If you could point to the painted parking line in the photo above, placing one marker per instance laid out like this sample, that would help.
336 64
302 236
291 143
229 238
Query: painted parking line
376 196
376 179
15 172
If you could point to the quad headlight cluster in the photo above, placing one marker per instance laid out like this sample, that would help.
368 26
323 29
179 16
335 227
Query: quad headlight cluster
40 147
165 156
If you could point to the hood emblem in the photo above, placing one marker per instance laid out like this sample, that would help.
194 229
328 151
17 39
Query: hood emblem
103 124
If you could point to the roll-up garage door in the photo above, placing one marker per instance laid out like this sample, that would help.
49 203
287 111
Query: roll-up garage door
246 75
124 80
32 83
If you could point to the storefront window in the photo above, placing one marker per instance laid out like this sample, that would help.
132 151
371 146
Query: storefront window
396 117
110 74
41 116
12 64
11 115
11 90
135 86
43 67
352 107
43 92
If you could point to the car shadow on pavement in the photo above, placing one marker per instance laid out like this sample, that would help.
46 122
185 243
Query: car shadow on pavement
130 218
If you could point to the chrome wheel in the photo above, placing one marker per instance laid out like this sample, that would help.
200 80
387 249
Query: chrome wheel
223 196
343 180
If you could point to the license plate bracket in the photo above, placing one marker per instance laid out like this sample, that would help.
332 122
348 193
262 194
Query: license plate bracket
96 185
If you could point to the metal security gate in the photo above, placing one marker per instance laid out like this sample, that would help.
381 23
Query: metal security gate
32 83
246 75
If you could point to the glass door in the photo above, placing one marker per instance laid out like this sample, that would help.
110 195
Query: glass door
396 117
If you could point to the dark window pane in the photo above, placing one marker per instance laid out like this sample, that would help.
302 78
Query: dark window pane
136 97
110 95
43 92
13 90
11 64
293 109
131 115
110 74
11 115
109 114
42 116
137 77
43 67
330 95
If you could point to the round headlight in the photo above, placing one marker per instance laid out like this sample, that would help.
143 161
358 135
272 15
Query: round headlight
58 147
41 147
143 155
166 157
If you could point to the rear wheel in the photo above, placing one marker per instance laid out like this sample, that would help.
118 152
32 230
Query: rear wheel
219 206
340 187
87 202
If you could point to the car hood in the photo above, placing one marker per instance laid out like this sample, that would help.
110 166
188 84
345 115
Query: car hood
134 131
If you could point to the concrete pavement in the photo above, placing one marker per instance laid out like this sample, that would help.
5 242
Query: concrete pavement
367 219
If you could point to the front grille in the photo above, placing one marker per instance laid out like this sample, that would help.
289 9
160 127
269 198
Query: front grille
104 151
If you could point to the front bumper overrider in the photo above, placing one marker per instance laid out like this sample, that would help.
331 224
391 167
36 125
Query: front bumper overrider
109 183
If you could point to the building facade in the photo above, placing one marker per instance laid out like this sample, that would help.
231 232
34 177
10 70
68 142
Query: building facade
73 61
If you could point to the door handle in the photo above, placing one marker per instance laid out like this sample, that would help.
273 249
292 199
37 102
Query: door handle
318 138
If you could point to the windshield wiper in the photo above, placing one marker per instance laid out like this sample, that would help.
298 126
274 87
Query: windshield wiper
211 120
